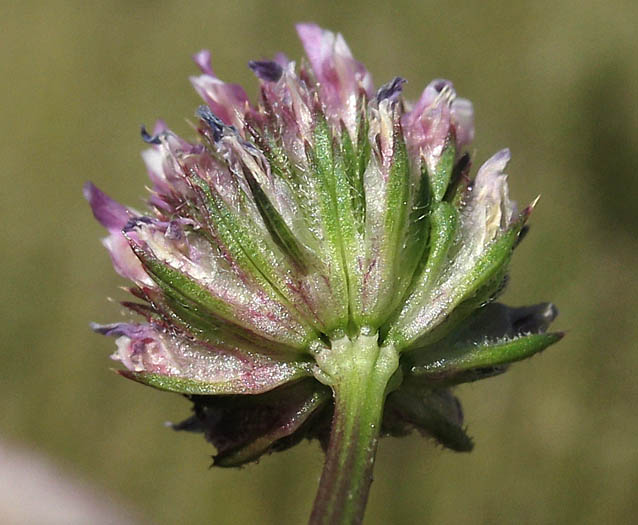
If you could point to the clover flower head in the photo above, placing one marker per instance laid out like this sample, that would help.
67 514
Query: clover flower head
318 260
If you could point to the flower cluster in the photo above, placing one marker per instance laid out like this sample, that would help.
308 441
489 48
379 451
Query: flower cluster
326 236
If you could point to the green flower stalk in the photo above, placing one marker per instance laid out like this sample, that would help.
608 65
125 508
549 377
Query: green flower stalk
320 264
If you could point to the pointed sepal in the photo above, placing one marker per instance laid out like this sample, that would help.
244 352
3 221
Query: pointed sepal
492 338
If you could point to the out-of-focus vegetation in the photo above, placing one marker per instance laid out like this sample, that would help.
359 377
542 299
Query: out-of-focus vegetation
556 437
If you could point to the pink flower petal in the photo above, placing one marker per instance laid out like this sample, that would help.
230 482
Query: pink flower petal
340 76
202 59
229 102
109 213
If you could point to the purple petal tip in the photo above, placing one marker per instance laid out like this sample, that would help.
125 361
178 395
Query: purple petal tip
114 329
215 124
110 214
148 138
500 159
267 70
308 29
391 90
202 59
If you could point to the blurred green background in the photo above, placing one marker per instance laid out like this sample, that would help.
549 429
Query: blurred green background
557 82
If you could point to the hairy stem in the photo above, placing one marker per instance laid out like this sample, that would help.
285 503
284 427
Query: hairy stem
358 372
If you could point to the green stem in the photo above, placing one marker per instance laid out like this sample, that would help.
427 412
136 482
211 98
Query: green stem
358 372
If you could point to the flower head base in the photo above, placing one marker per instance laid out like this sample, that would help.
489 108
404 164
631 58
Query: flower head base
321 234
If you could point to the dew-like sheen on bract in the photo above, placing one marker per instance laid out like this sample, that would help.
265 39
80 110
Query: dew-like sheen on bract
323 210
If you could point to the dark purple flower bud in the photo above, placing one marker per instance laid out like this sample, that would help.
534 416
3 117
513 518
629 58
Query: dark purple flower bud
267 70
149 139
391 90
